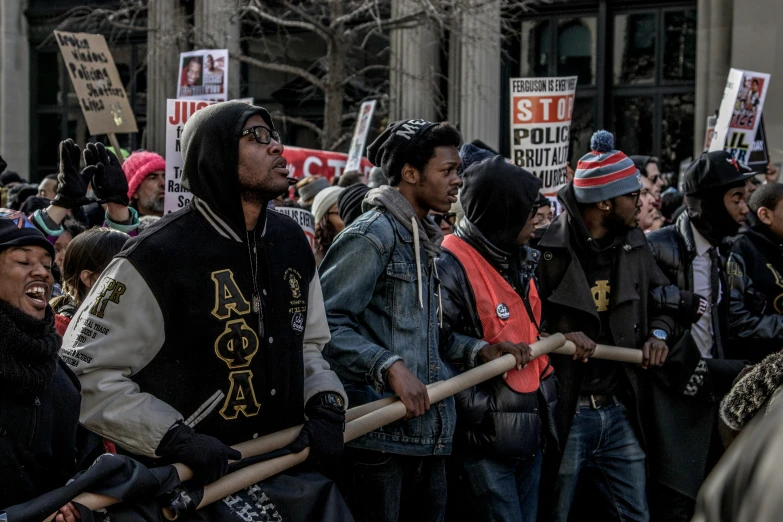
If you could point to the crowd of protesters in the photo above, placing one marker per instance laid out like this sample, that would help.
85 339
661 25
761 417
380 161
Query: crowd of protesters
169 339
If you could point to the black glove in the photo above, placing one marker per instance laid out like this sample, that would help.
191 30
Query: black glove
205 455
72 186
323 431
108 179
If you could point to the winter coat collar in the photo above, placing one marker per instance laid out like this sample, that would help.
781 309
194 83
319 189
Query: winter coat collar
683 226
218 222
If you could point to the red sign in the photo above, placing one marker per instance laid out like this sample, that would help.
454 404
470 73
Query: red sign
310 162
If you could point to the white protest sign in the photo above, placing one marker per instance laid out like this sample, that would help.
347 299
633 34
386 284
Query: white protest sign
360 135
740 113
177 114
305 220
541 110
97 83
203 75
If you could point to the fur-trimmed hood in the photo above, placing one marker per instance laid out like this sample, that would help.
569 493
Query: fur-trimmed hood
752 391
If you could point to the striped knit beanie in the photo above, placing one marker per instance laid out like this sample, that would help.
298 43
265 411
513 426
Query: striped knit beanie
605 173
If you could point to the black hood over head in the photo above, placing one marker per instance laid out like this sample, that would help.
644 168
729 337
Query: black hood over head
497 198
709 215
210 150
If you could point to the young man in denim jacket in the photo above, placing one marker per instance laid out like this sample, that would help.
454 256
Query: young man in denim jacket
381 293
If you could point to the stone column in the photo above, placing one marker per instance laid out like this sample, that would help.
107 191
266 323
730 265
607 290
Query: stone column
167 25
216 25
474 101
713 48
14 87
414 64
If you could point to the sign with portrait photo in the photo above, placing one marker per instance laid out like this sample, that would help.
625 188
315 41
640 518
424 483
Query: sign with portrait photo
203 75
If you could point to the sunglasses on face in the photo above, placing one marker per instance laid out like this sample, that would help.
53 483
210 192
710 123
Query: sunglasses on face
449 217
262 134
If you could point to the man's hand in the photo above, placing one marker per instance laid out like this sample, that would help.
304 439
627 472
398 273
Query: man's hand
71 185
654 353
585 347
68 513
108 179
412 392
521 352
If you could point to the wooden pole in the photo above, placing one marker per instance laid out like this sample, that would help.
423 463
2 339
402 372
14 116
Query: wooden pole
233 482
603 351
116 145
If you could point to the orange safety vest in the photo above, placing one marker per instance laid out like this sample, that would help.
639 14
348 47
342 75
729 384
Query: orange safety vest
502 312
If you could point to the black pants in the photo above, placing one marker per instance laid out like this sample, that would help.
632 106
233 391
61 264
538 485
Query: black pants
392 488
668 505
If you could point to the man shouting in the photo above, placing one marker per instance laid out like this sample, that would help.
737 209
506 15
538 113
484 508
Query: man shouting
207 330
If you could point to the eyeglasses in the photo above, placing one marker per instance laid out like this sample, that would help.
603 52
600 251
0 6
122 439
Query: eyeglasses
534 210
449 217
634 195
262 134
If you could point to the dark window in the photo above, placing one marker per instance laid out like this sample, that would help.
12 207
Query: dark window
636 68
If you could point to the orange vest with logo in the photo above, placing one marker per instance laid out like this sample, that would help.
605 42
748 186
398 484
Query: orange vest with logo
502 312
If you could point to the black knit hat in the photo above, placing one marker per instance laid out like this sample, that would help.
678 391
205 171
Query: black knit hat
16 231
349 202
390 150
9 177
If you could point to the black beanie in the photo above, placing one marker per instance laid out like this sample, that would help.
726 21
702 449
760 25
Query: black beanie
17 231
349 202
390 150
497 198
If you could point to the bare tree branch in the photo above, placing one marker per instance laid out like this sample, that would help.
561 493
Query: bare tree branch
293 24
363 71
391 23
346 18
277 115
319 27
280 67
342 139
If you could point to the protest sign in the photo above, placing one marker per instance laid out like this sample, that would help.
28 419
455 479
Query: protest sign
740 113
203 75
96 82
541 110
177 114
305 220
758 157
360 135
309 162
709 131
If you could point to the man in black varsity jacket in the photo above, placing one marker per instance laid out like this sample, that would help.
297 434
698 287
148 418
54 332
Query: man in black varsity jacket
207 329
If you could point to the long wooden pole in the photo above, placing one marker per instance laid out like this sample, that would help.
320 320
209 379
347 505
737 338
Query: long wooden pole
233 482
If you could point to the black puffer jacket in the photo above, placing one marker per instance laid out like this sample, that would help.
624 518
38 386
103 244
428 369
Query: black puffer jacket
491 417
755 275
38 439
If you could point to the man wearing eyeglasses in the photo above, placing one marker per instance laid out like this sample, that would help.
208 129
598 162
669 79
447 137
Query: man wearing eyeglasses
207 330
595 274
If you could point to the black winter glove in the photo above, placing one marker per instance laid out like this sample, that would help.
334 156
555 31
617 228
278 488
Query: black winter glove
108 179
72 186
323 431
205 455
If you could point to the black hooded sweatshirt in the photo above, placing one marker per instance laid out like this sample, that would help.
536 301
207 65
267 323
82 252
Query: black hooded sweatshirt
170 333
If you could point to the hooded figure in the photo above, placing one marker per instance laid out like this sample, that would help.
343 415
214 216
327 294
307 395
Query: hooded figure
207 330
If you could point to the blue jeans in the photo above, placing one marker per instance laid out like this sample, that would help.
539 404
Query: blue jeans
503 489
602 443
392 488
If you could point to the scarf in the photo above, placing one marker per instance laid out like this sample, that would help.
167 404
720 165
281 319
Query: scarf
28 351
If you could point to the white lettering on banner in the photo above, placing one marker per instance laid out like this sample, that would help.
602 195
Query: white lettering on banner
541 111
337 165
309 161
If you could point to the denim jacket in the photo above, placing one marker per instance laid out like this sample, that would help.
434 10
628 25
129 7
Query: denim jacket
369 280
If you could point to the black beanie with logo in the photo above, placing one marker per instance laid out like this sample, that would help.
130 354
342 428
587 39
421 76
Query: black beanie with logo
390 150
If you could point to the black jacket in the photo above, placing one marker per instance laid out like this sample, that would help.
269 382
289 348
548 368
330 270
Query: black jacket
491 417
686 390
754 270
38 439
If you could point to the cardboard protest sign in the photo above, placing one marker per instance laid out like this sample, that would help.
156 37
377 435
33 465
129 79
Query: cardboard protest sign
97 83
740 113
305 220
309 162
360 135
203 75
541 110
177 114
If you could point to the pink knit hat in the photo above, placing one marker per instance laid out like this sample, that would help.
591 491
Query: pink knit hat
138 166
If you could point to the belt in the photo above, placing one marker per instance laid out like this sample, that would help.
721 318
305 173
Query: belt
596 402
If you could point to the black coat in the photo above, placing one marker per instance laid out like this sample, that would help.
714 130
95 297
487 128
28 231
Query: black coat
755 278
38 439
686 391
493 418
